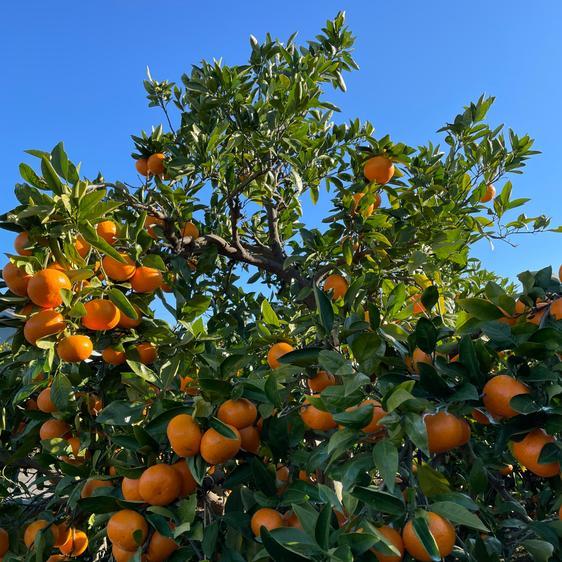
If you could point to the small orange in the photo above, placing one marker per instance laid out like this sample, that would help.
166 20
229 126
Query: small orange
555 309
101 314
113 356
16 279
497 395
155 164
535 317
81 246
130 489
444 432
4 541
489 194
184 435
276 351
93 484
480 416
188 485
418 356
118 271
149 222
320 381
127 322
337 284
160 548
146 279
290 519
21 244
188 385
147 352
216 448
418 307
122 555
42 324
44 402
239 413
370 209
108 231
191 230
141 166
316 419
394 538
51 429
63 532
506 470
159 485
74 349
33 528
266 517
379 169
378 413
528 450
250 439
44 288
442 531
124 527
76 544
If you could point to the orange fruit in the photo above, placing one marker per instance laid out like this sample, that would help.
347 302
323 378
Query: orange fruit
188 485
146 279
123 526
147 352
489 194
276 351
127 322
101 314
536 315
560 510
130 489
44 402
63 532
108 231
216 448
93 484
141 166
113 356
418 307
53 428
75 458
191 230
159 485
394 538
418 356
75 348
81 246
4 541
444 432
33 528
317 419
282 474
320 381
122 555
528 450
506 470
155 164
555 309
76 544
42 324
160 548
479 416
21 243
498 392
188 385
118 271
57 558
379 169
442 531
369 210
239 413
378 413
266 517
184 435
16 279
290 519
337 284
44 288
149 222
250 439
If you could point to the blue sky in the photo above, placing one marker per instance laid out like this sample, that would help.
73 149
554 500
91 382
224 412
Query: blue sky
73 71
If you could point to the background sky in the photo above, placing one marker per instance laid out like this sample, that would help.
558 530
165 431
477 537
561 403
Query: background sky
73 71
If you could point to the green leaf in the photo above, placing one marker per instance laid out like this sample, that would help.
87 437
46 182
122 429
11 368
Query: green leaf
322 530
416 430
430 297
31 177
380 501
421 529
59 160
51 177
426 335
122 303
91 236
541 551
324 307
222 428
263 479
395 300
458 514
121 413
61 390
480 308
301 357
268 314
385 456
279 551
431 481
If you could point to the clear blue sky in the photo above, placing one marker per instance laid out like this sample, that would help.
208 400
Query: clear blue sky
73 71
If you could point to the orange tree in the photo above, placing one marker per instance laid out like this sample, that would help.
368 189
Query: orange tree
390 399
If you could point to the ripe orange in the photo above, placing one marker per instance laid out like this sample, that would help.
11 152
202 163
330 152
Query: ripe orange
113 356
555 309
44 288
4 541
489 194
81 246
188 385
418 307
479 416
44 402
394 538
317 419
63 532
239 413
379 169
53 428
266 517
155 164
498 392
159 485
141 166
101 314
184 435
130 489
191 230
35 527
378 413
506 470
75 348
160 548
442 531
146 279
276 351
188 485
250 439
149 222
127 322
418 356
123 526
42 324
16 279
108 231
122 555
369 210
118 271
537 314
76 544
93 484
444 432
147 352
21 244
528 450
57 558
320 381
290 519
217 449
337 284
